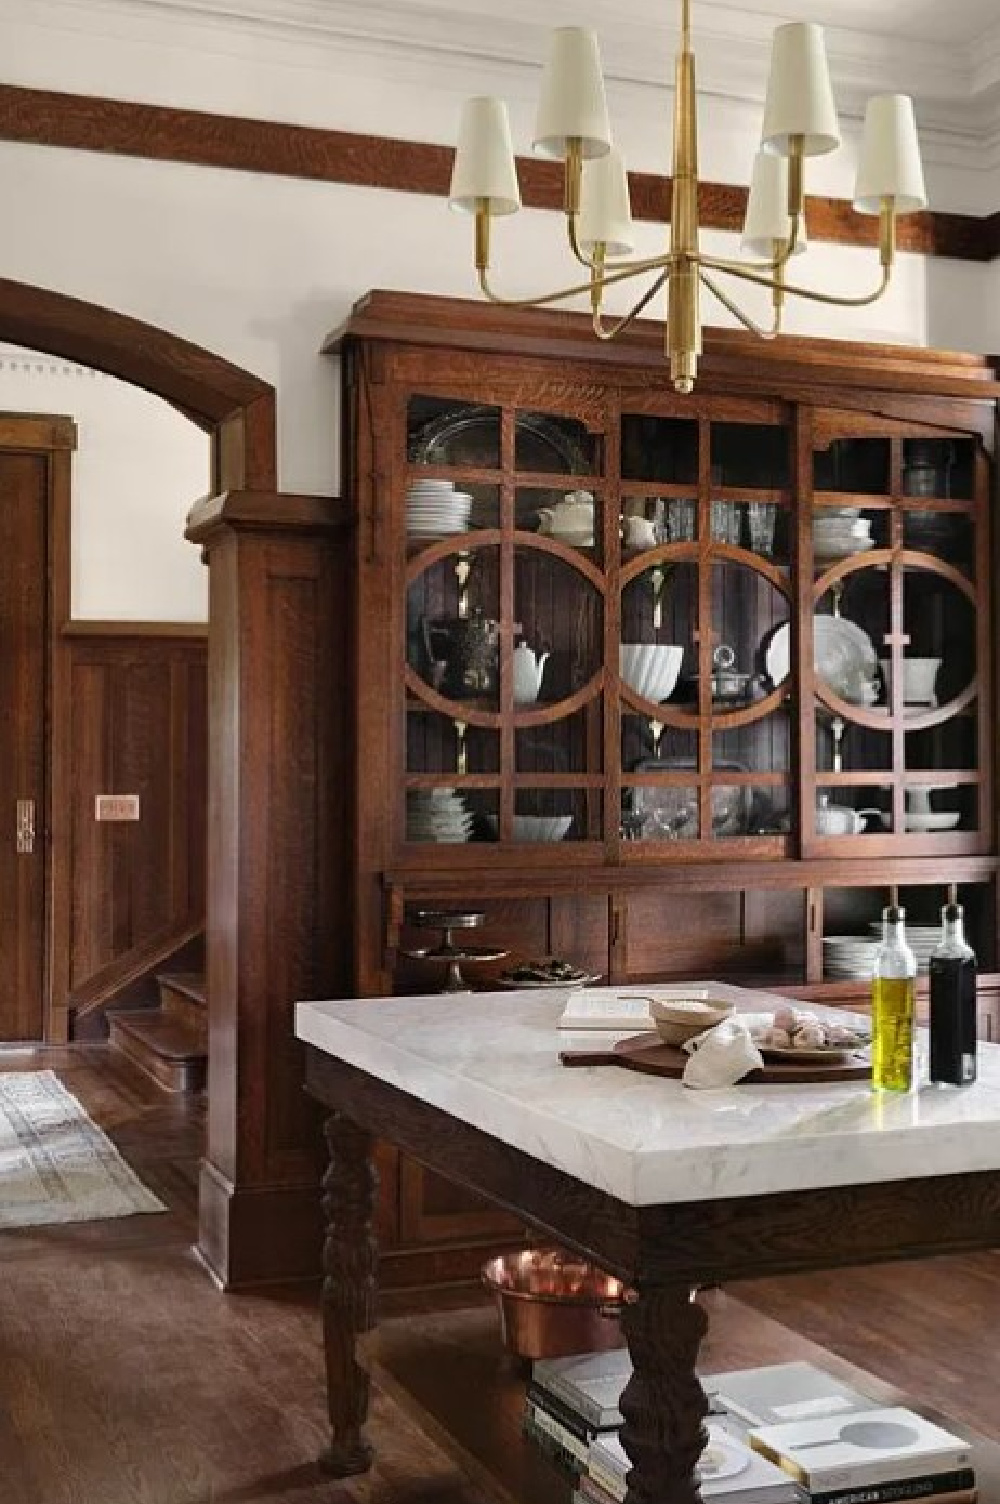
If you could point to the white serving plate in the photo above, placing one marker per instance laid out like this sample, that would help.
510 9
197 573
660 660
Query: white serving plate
843 655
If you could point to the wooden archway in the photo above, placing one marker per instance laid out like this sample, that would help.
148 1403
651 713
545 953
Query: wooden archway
236 408
277 563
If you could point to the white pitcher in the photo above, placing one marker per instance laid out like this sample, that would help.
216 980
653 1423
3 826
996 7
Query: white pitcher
528 669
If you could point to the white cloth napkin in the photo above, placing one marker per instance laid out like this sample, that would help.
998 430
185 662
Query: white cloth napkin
721 1056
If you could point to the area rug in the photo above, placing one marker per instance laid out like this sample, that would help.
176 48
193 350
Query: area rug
56 1165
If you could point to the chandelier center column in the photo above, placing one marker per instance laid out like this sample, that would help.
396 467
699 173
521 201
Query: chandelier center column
683 313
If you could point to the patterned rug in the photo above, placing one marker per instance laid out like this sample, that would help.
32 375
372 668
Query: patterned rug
56 1165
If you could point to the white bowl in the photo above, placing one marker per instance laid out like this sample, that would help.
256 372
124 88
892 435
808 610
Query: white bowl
680 1019
919 675
650 669
536 827
541 827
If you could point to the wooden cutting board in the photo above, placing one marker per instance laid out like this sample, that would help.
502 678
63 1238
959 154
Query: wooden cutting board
648 1053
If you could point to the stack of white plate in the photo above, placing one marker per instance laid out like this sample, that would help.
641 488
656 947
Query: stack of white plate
848 957
839 532
434 507
437 815
921 938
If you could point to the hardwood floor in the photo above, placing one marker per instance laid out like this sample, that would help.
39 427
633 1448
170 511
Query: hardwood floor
127 1378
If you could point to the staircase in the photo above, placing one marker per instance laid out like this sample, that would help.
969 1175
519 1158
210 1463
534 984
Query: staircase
169 1042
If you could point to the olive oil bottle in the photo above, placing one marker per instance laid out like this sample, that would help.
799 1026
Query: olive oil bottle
894 989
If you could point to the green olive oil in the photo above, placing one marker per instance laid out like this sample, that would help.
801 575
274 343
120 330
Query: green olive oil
894 987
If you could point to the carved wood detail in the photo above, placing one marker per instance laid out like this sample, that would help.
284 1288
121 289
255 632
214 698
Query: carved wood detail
349 1290
663 1404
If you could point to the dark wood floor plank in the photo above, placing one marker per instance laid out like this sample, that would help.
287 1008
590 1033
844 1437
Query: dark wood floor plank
126 1378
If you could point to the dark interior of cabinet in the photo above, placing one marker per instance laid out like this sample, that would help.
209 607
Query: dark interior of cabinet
853 911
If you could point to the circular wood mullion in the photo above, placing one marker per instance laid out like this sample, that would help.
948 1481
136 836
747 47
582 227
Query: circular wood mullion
452 710
558 710
418 563
732 720
544 543
651 710
879 720
884 558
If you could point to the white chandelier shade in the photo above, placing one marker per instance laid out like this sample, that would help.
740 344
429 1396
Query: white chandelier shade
768 221
799 103
572 106
484 170
890 166
605 209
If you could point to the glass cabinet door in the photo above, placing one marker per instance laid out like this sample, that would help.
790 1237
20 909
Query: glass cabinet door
503 513
898 544
706 590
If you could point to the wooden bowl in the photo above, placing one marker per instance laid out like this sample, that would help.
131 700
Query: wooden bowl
679 1019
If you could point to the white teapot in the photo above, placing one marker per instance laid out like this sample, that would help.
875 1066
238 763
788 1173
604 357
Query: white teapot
840 819
528 669
572 518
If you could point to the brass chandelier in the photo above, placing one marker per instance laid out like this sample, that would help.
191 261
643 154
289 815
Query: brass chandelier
800 120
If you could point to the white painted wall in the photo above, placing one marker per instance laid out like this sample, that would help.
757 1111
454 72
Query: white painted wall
259 269
138 467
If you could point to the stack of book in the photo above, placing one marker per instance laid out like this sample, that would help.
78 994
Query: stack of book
842 1446
571 1411
728 1470
572 1401
777 1435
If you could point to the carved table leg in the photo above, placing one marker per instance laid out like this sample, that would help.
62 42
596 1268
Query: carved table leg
349 1290
663 1405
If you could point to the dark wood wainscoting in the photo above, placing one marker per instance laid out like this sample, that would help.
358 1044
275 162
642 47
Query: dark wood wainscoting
135 724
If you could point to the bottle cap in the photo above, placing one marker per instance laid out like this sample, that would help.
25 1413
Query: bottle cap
951 912
893 914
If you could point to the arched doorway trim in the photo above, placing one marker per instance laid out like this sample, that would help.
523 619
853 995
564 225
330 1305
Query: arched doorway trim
234 406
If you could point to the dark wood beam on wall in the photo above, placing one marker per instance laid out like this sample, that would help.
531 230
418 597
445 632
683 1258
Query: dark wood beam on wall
89 123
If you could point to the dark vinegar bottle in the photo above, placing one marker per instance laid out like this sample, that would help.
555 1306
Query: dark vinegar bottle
953 1004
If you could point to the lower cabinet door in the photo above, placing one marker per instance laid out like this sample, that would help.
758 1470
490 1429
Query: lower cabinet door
433 1210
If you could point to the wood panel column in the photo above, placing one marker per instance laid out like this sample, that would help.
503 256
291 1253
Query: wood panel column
278 910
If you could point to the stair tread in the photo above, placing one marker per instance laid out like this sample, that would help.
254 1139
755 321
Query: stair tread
165 1036
190 983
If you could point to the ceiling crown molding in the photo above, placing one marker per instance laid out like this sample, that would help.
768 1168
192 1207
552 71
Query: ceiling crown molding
956 88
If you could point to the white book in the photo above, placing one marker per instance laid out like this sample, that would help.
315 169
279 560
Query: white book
779 1392
590 1383
728 1470
872 1446
608 1008
627 1008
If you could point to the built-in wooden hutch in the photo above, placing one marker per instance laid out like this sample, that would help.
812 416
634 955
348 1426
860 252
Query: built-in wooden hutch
810 532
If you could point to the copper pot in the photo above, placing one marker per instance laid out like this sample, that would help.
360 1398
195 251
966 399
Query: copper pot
552 1303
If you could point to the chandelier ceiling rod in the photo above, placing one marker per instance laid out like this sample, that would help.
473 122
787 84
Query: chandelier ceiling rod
800 120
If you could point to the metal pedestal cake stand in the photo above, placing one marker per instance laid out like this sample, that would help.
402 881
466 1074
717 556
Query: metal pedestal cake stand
445 951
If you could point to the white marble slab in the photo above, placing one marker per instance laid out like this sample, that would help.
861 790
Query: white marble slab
491 1059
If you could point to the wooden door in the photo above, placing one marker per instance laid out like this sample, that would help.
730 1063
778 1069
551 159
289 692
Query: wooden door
24 479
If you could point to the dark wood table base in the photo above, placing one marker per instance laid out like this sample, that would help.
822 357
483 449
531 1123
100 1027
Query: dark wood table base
663 1252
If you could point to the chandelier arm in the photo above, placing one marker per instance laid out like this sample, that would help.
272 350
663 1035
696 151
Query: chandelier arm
617 264
735 309
623 274
776 263
610 332
574 243
833 299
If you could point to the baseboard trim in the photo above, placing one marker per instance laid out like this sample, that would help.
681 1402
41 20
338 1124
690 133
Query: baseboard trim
258 1235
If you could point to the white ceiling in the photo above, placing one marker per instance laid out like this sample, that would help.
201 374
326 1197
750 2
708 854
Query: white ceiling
961 21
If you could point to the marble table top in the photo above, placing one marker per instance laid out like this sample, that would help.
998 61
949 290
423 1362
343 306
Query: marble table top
491 1060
